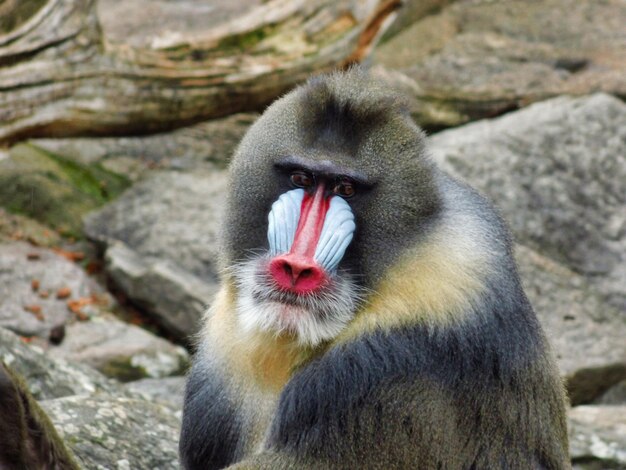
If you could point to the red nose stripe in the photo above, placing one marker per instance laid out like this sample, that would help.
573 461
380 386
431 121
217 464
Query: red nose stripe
297 271
312 215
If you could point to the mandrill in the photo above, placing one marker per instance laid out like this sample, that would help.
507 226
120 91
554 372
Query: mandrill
370 312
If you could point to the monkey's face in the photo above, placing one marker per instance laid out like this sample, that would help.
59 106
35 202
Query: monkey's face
323 193
296 285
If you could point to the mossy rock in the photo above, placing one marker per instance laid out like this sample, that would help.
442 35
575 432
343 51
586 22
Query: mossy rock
140 366
53 189
123 369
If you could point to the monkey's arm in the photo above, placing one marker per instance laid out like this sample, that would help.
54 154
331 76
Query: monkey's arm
387 401
29 439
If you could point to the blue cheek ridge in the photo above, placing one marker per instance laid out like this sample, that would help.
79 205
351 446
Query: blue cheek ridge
283 220
336 234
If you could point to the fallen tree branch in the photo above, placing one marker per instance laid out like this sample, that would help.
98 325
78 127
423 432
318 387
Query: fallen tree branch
60 76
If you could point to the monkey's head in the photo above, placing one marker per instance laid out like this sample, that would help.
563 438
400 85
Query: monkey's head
329 187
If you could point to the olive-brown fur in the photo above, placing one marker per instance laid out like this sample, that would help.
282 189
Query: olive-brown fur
444 365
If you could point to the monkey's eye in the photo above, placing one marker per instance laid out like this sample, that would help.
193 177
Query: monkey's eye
302 179
344 188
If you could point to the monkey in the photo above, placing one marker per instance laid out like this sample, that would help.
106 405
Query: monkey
370 313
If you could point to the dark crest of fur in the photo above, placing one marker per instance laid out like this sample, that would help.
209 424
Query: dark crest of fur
337 117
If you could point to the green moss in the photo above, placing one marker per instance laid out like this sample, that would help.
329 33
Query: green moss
94 180
122 370
53 189
247 40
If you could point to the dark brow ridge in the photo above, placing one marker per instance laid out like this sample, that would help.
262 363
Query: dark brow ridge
325 168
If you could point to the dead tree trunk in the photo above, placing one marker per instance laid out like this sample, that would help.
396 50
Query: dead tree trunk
61 76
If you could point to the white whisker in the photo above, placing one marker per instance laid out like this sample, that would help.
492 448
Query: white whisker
312 318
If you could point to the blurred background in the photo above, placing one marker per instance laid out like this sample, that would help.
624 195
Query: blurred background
117 122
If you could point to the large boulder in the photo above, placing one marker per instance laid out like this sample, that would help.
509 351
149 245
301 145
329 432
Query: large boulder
556 170
54 189
105 424
172 295
162 244
586 333
117 432
478 59
170 215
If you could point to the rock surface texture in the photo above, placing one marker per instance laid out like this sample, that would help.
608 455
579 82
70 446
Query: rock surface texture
46 377
168 390
36 285
586 333
120 350
202 145
598 437
477 59
54 189
105 424
111 431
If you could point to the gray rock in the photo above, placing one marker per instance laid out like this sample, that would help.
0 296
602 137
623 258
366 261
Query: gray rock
586 333
598 437
169 226
50 378
169 216
114 432
104 424
410 12
174 297
30 309
120 350
615 395
478 59
210 142
168 390
556 170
